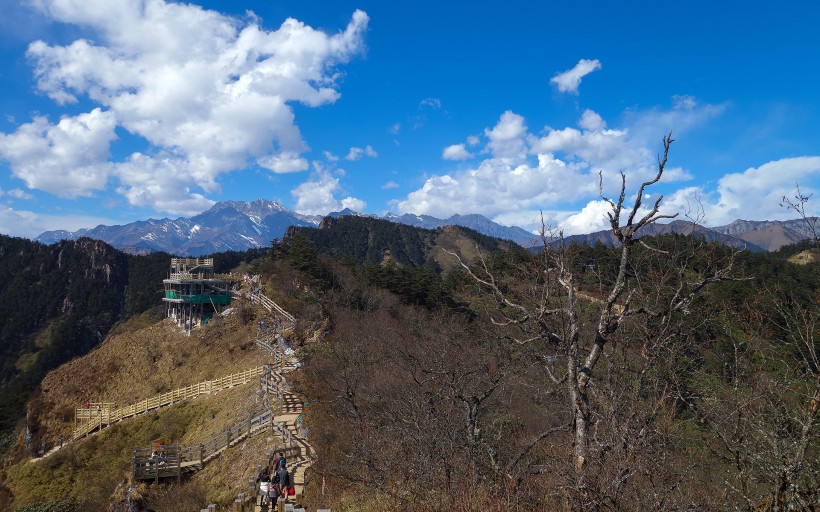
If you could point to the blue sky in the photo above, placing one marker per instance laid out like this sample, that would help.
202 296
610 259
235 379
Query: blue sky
115 110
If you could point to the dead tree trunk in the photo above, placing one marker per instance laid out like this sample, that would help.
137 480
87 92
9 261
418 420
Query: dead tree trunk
553 316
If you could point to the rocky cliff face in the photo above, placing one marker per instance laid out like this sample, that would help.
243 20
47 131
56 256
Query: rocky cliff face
770 234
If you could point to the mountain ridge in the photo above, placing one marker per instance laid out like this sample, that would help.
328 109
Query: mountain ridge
243 225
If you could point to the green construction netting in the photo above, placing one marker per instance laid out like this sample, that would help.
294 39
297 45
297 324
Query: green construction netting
199 299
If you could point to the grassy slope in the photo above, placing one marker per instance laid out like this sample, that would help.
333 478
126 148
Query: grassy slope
139 359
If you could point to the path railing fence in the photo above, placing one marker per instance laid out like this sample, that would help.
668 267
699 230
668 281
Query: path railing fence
268 304
147 466
90 419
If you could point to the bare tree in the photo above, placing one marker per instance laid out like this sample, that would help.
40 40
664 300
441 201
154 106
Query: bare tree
798 204
767 425
556 315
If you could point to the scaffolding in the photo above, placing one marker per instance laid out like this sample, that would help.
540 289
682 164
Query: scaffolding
193 293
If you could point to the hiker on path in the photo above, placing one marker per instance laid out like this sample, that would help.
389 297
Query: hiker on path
273 490
279 460
283 477
264 485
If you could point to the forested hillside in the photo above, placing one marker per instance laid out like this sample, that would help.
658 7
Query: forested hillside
59 301
705 398
436 363
366 240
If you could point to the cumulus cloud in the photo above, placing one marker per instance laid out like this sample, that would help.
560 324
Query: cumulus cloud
507 136
570 80
591 120
67 159
206 88
317 196
591 218
358 153
754 194
456 152
161 182
284 162
555 171
497 186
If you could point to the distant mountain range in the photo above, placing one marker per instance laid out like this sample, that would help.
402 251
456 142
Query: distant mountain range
756 236
227 226
242 225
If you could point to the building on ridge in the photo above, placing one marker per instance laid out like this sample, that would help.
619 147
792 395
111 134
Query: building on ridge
193 293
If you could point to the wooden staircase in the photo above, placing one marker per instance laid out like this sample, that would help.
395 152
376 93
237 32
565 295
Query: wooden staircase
98 416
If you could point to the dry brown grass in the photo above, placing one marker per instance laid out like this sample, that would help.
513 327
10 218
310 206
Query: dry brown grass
136 363
138 360
806 257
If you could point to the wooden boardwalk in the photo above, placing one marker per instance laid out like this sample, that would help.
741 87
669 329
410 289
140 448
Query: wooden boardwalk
98 416
281 417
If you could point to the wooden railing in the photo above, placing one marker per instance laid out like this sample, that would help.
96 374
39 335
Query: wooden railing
192 262
93 410
268 304
278 355
107 416
145 466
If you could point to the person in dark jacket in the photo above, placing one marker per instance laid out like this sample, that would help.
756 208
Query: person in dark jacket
273 491
283 477
279 460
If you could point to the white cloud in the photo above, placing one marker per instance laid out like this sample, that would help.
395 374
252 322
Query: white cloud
317 196
507 136
754 194
67 159
496 186
18 223
555 171
19 194
570 80
210 89
686 113
353 203
163 183
395 128
473 140
389 185
591 120
456 152
29 224
358 153
590 219
283 163
433 103
684 101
